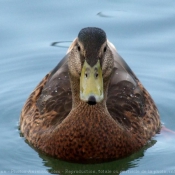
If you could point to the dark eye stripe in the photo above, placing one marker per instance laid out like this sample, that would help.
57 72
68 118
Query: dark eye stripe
78 48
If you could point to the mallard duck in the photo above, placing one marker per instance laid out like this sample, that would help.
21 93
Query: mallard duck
91 106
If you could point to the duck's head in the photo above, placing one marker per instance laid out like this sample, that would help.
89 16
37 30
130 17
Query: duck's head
91 61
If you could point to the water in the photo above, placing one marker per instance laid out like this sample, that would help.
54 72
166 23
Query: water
144 34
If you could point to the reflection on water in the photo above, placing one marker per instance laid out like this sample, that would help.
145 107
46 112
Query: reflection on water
114 167
62 44
101 14
110 14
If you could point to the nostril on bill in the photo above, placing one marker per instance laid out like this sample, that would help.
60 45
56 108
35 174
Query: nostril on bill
91 100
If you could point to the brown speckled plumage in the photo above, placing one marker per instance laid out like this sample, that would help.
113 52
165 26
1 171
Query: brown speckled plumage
57 122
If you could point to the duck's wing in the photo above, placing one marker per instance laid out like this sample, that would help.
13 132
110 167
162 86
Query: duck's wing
56 97
125 95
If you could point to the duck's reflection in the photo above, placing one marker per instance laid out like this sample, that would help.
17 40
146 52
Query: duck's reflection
60 167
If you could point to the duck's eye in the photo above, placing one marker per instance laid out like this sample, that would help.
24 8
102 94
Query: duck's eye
78 48
104 49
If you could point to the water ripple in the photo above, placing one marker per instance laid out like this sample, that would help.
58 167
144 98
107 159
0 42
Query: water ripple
62 44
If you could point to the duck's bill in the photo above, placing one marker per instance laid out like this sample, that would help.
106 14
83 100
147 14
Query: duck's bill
91 83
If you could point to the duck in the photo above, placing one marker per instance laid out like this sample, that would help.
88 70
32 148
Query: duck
91 106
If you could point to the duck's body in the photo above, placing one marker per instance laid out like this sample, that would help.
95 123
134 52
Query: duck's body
67 120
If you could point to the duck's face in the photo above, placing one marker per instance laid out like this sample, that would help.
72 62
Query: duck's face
91 61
